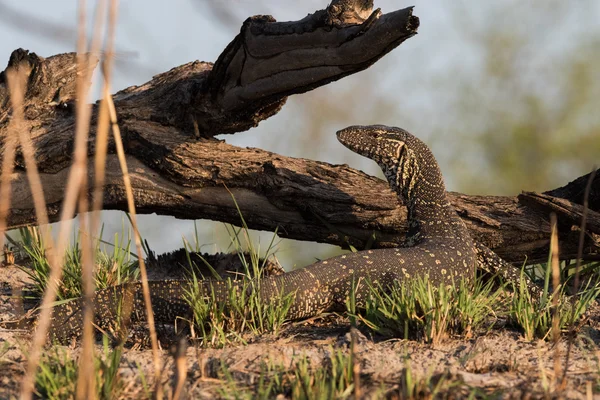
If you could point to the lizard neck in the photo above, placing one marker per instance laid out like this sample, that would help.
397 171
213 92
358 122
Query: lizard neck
422 191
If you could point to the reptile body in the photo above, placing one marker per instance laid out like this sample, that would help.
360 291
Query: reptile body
438 244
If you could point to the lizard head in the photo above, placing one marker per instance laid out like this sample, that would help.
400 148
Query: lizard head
396 151
382 144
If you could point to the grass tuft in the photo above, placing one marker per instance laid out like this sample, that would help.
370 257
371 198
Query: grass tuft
534 318
112 267
57 374
333 379
424 386
418 309
219 323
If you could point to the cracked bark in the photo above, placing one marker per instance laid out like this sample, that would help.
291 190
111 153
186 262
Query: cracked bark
178 168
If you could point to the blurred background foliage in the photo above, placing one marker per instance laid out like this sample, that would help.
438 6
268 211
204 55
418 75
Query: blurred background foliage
506 93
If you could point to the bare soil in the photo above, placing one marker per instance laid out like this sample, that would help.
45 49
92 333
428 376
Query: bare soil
499 362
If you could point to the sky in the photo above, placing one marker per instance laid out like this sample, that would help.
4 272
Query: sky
154 36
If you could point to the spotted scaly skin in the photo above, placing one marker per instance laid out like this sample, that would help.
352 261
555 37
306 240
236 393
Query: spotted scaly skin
438 245
490 263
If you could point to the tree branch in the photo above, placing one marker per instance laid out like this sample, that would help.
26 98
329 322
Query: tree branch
178 168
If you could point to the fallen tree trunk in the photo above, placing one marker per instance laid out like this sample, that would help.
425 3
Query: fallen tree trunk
178 168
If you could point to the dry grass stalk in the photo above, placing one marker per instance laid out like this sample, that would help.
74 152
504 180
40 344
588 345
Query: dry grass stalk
138 244
180 368
17 82
87 373
86 376
103 118
586 196
76 179
355 363
17 85
555 296
8 164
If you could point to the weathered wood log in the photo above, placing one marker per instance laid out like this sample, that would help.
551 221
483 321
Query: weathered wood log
178 168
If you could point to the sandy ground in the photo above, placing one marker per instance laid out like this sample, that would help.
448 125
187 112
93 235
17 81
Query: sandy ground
500 362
